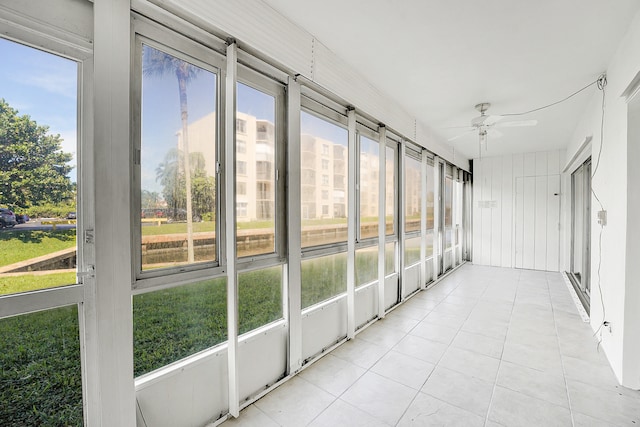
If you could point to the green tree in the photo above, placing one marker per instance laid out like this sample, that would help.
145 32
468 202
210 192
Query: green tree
158 63
33 168
170 174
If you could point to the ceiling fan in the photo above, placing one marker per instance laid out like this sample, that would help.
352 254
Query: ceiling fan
485 125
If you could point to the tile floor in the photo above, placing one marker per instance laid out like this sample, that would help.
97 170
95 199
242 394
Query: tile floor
484 347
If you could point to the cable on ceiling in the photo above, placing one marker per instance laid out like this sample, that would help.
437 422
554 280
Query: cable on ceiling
560 101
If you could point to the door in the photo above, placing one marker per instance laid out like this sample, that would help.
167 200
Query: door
537 222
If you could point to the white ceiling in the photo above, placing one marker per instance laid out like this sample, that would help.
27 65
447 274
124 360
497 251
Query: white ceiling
439 58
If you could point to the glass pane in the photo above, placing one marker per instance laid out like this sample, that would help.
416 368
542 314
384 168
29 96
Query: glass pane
411 251
578 223
178 213
429 238
259 298
430 207
366 265
40 375
256 179
38 116
412 193
324 181
369 187
390 192
448 211
323 278
389 258
171 324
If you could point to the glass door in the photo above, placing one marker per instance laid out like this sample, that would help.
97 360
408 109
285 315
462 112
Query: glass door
581 231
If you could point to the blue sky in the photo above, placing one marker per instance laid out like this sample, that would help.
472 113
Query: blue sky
43 86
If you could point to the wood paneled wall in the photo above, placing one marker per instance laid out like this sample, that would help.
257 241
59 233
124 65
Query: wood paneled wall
516 210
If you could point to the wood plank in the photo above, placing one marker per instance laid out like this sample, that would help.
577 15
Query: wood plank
553 162
529 164
553 224
507 212
486 212
518 165
496 212
541 163
519 223
528 223
540 210
477 213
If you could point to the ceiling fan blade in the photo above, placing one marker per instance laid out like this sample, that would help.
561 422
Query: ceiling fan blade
461 135
492 133
492 120
517 123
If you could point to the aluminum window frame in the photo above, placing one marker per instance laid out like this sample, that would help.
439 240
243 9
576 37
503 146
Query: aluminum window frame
262 83
146 32
363 130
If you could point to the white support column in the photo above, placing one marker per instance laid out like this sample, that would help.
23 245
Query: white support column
382 203
351 228
230 226
401 218
110 397
423 222
293 285
437 199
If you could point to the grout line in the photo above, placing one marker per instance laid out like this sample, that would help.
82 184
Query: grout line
564 372
495 382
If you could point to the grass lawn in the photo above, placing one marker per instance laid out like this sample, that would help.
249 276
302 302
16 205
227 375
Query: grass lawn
30 282
21 245
40 375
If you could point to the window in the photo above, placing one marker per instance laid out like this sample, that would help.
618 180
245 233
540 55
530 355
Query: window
323 278
366 265
412 192
241 188
325 149
325 180
241 126
325 209
369 187
390 191
448 211
325 164
241 146
256 234
241 209
171 324
41 376
178 160
430 206
241 167
325 194
581 231
38 168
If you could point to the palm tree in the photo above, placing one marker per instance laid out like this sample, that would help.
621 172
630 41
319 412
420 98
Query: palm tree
158 63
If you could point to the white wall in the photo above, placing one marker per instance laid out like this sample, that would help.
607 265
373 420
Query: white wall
515 211
615 179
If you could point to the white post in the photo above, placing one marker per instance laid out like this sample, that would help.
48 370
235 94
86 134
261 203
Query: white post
382 215
110 397
230 226
401 218
437 199
423 221
352 221
294 229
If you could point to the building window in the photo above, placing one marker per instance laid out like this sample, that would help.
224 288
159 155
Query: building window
368 185
241 126
241 167
325 164
325 179
241 209
241 146
325 149
325 194
325 209
241 188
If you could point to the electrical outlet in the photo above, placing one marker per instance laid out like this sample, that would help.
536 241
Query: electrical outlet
602 217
